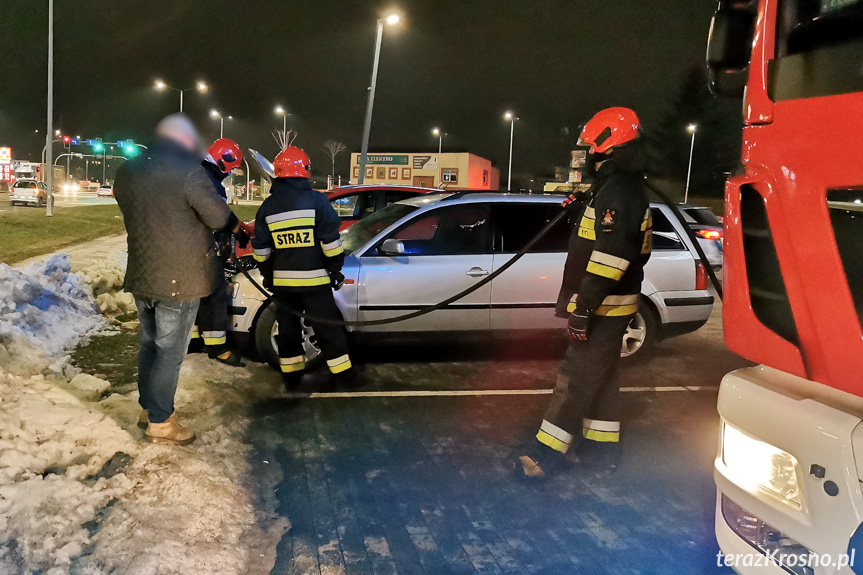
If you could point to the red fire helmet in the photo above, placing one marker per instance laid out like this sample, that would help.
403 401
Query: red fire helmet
227 154
293 162
610 127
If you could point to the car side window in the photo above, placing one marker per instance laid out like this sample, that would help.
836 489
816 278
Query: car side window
366 205
392 197
453 230
517 224
665 237
345 205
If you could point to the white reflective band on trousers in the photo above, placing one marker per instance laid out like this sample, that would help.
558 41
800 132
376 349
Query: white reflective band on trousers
554 437
300 274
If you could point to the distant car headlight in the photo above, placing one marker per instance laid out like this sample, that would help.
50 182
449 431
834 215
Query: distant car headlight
759 466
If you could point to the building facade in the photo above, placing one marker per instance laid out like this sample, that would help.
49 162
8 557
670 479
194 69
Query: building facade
453 171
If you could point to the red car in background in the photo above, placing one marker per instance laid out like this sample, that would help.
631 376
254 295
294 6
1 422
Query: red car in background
353 203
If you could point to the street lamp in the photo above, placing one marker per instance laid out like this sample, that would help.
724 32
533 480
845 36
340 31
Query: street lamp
217 116
440 136
691 128
200 87
279 111
511 118
367 127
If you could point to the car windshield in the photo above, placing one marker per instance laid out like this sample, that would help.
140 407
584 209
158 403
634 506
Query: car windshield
361 232
703 216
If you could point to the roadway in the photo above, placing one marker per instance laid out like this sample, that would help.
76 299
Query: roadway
60 200
412 474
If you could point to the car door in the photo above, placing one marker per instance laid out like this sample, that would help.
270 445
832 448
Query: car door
671 266
447 250
524 296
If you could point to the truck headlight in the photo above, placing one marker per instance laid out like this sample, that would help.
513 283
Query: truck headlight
759 466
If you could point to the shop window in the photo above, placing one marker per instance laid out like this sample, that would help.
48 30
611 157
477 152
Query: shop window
449 175
485 177
370 172
406 173
356 171
381 174
394 173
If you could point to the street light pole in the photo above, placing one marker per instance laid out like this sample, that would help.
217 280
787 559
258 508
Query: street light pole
199 86
691 128
440 136
367 126
511 117
49 211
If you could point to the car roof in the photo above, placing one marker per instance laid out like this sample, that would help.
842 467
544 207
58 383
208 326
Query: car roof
502 197
352 189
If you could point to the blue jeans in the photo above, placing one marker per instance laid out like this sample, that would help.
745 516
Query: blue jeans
165 331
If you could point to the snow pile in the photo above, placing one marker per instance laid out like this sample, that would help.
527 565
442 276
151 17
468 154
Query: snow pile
44 312
105 281
52 447
162 510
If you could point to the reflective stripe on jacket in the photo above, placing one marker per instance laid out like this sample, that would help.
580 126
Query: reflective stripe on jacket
609 246
297 232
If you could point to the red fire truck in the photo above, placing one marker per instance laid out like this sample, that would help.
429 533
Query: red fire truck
790 461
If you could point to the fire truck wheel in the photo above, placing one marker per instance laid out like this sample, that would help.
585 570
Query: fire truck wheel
266 329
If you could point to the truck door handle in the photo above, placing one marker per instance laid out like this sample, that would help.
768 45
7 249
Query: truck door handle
477 272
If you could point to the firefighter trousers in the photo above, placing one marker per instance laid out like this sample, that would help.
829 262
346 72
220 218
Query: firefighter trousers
586 397
214 317
332 339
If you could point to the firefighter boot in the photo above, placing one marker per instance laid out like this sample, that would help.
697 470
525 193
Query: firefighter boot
539 462
292 380
223 354
346 379
170 432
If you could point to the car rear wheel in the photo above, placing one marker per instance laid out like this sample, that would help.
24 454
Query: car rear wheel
641 332
266 330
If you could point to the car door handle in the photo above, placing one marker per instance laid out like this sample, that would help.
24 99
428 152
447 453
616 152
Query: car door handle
477 272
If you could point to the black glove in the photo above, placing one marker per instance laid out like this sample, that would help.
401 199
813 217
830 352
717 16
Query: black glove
578 323
337 280
243 237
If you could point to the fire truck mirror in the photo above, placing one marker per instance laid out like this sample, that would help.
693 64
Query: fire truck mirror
728 49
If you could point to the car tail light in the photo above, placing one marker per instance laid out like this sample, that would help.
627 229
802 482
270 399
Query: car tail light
710 234
700 275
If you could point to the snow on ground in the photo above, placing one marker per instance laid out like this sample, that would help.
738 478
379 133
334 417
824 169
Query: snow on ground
80 491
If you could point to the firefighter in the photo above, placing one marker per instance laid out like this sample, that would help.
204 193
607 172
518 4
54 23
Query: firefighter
213 315
297 240
609 246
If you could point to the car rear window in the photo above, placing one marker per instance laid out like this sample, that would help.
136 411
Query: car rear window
703 216
664 235
25 185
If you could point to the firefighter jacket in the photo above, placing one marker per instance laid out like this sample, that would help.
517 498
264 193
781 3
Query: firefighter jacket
609 246
297 233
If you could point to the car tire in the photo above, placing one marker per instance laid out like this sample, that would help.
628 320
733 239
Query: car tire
642 333
265 342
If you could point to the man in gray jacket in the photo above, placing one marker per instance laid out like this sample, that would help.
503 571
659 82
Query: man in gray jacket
170 210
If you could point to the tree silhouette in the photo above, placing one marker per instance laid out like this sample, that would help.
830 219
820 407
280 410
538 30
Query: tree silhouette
333 149
717 140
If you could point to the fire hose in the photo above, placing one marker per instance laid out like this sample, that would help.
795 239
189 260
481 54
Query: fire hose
568 207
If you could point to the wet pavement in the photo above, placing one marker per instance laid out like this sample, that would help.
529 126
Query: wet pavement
414 474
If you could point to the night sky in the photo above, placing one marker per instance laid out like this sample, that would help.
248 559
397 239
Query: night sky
457 64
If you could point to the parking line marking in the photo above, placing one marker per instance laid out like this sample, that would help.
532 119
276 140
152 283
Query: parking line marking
480 392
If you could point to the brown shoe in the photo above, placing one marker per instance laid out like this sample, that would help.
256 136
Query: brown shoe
144 419
169 432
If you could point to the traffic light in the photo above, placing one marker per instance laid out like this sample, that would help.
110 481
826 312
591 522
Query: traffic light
130 149
66 140
97 146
